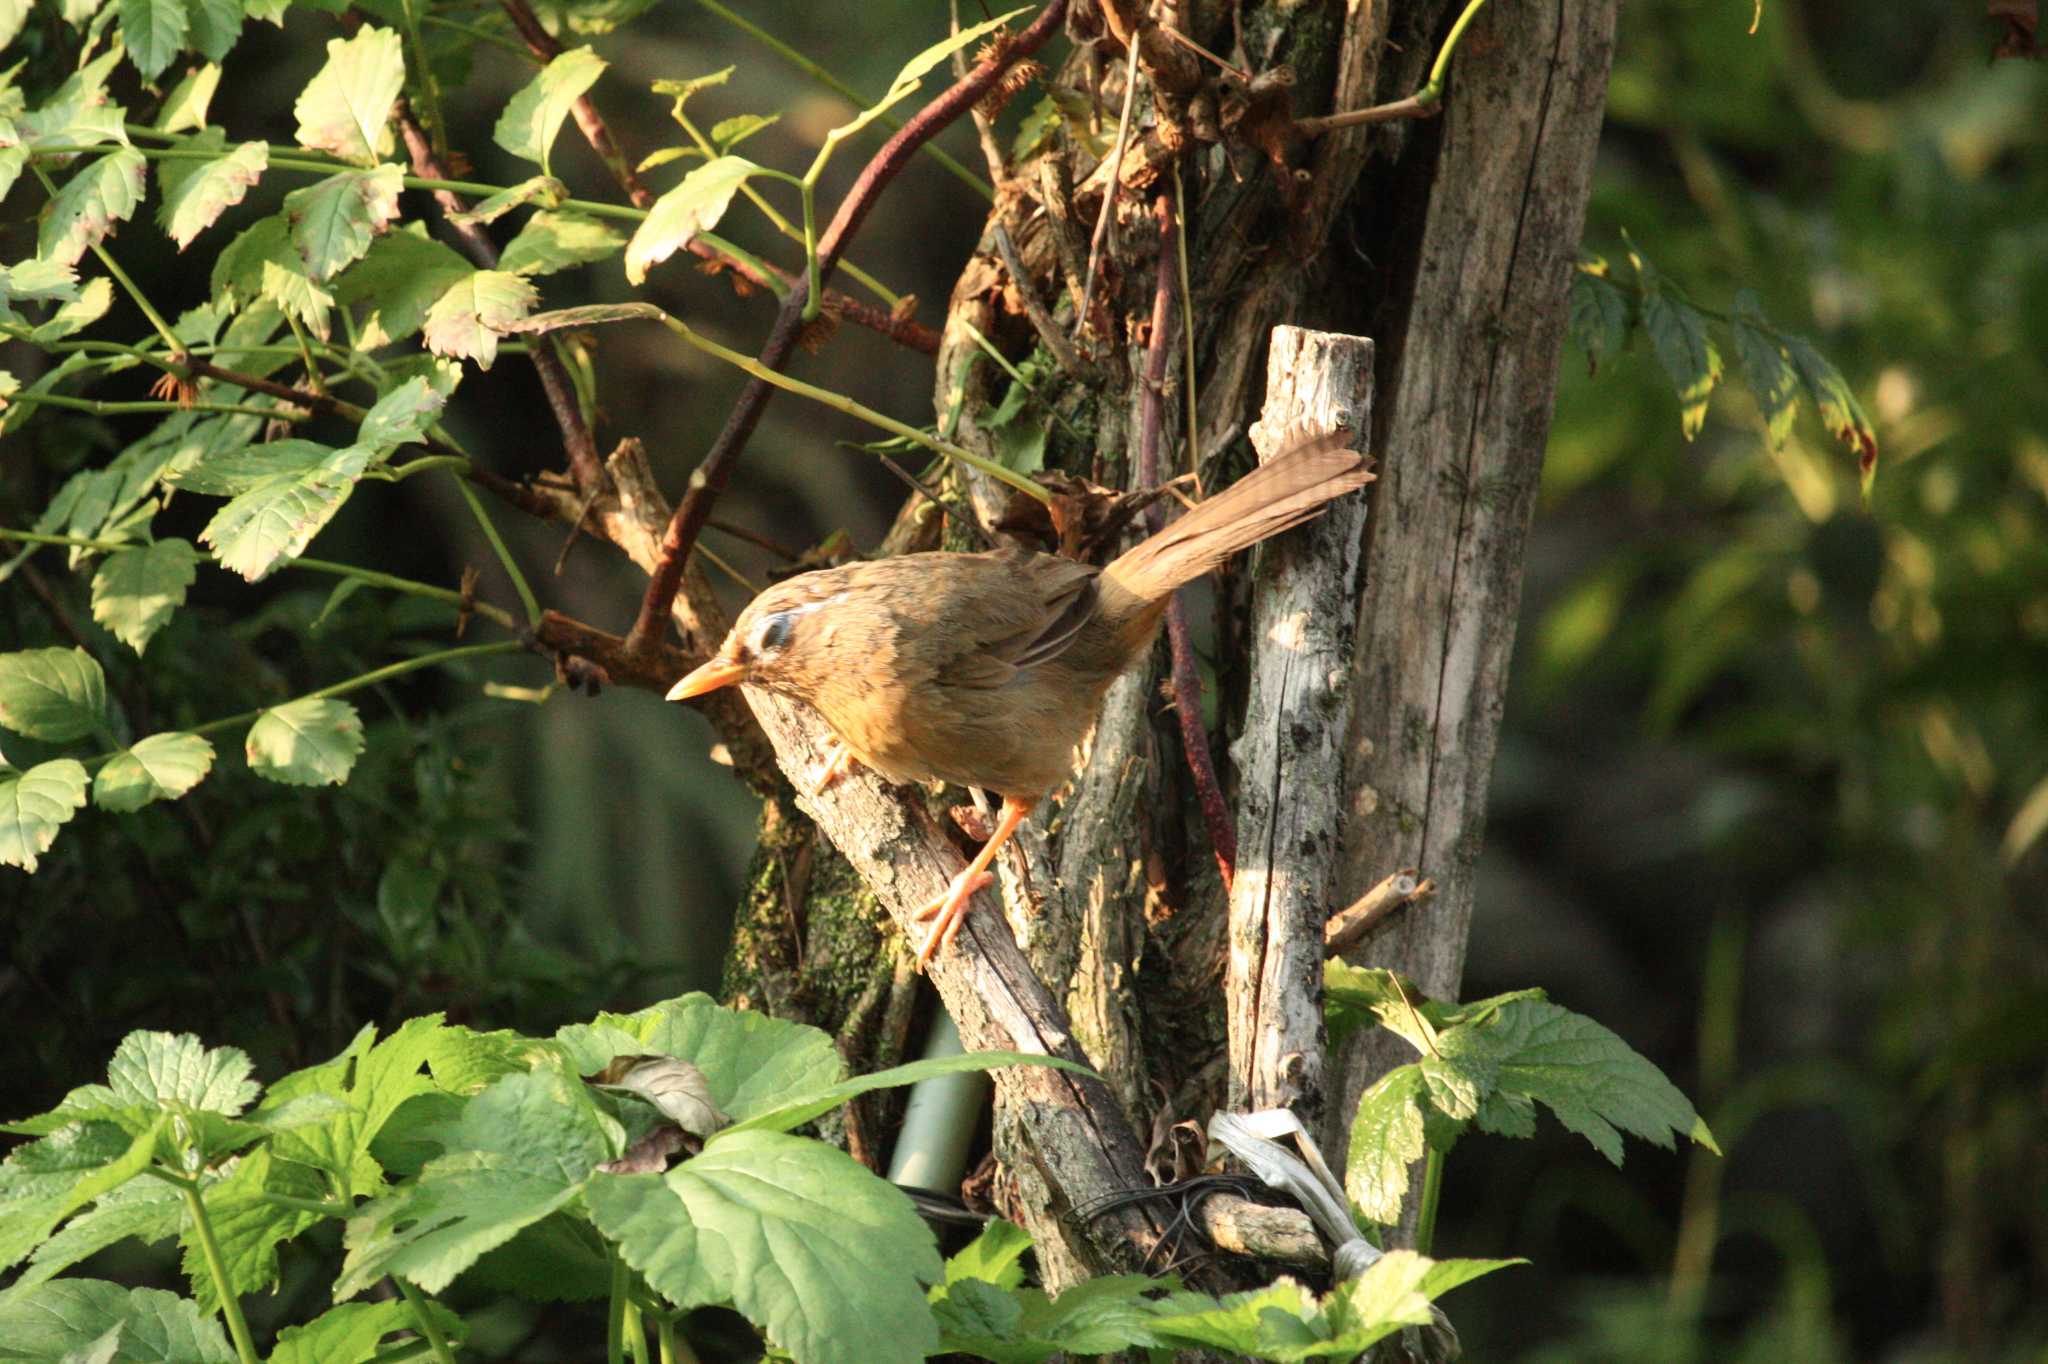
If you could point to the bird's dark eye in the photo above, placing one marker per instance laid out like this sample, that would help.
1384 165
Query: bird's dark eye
773 633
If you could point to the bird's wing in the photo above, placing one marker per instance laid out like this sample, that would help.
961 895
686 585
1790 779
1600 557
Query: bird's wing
1024 609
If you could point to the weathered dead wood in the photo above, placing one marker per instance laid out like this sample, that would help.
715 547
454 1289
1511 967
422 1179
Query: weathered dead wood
1290 757
1464 409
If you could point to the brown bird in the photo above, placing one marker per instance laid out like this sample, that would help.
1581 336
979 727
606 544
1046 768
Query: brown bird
987 669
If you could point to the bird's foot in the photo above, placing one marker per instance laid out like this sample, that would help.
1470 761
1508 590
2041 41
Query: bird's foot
838 762
950 911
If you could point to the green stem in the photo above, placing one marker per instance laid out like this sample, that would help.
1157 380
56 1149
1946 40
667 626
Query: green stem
430 88
1434 91
815 299
100 407
841 403
505 559
425 464
1432 1192
988 348
424 1320
841 88
230 1305
615 1316
370 577
156 319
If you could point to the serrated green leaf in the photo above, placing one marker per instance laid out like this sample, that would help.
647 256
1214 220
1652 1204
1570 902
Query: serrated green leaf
554 1260
136 591
346 109
1395 1292
399 278
247 1227
277 517
197 193
374 1079
153 31
522 1149
216 24
238 270
161 767
231 469
45 1182
915 70
55 695
1027 1326
996 1256
90 203
465 1061
146 1209
544 190
558 241
176 1071
297 295
797 1109
728 133
38 281
1678 333
1241 1323
533 117
334 220
69 1316
691 207
467 320
185 107
823 1256
350 1333
1767 370
1843 416
313 741
751 1062
89 307
1599 317
1386 1138
402 415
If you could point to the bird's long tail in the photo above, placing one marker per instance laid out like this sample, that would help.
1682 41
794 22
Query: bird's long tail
1279 494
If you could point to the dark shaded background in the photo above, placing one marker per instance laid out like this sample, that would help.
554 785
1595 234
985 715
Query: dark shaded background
1763 798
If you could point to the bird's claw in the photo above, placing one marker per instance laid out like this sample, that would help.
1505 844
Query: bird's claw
838 762
950 909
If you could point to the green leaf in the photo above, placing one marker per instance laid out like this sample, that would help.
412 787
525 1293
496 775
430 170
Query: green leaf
247 1227
821 1254
13 15
691 207
796 1110
1028 1326
374 1079
185 107
176 1071
751 1062
196 193
153 31
1839 411
1386 1138
558 241
89 307
34 805
1395 1292
528 127
402 415
914 71
46 1181
334 220
399 278
146 1209
465 1061
55 695
1599 315
216 24
238 269
522 1149
544 190
69 1316
996 1256
1766 368
313 741
232 470
91 202
350 1333
277 517
347 107
161 767
728 133
136 591
296 293
554 1260
467 320
1678 333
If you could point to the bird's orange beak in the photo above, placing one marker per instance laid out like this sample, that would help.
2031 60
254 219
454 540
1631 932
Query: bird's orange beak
719 672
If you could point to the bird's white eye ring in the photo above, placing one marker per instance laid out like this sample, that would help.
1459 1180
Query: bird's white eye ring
773 632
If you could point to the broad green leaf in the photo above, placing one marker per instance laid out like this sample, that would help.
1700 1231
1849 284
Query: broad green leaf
1247 1324
1839 411
1766 368
334 220
822 1255
347 107
79 111
554 1260
308 742
216 24
153 31
297 295
1678 333
681 90
522 1148
996 1256
33 805
557 241
467 320
13 160
136 591
544 190
177 1072
247 1226
13 14
1395 1292
374 1079
197 193
465 1061
534 116
46 1181
55 695
185 107
795 1110
161 767
238 270
402 415
90 203
38 281
1386 1138
1028 1326
1599 315
751 1062
278 517
728 133
146 1209
68 1316
915 70
400 278
691 207
351 1333
233 469
81 312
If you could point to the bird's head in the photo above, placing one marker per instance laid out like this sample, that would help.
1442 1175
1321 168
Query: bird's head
766 644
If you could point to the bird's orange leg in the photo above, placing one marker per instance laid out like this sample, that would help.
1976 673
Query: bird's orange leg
838 762
950 909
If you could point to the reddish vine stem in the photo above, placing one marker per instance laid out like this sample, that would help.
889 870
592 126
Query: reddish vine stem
711 476
1187 678
586 466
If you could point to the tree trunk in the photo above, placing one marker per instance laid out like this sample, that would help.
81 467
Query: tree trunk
1113 946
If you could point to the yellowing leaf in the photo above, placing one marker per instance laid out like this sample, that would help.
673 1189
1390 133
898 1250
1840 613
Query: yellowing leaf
347 107
186 105
197 193
534 116
33 805
334 220
161 767
691 207
465 322
558 241
91 202
136 591
308 742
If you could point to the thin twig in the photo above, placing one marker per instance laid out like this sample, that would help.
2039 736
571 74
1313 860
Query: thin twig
1352 925
712 475
970 523
1041 321
1411 107
1236 73
1109 188
775 547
